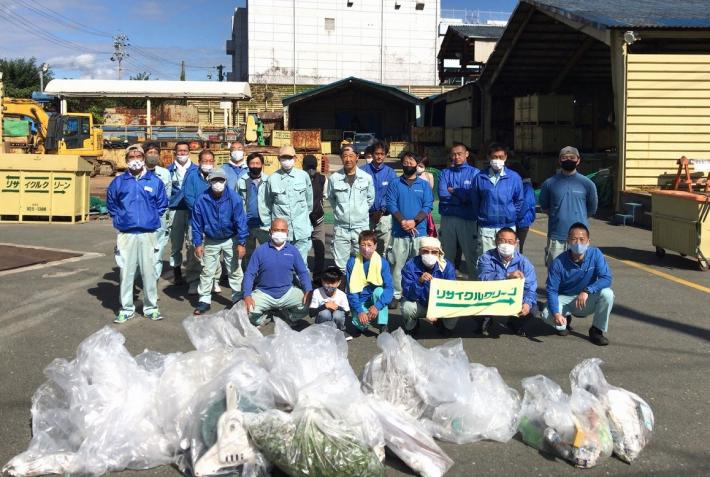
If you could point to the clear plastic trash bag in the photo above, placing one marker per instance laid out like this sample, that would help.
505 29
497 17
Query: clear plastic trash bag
226 328
96 413
490 412
630 417
410 441
574 427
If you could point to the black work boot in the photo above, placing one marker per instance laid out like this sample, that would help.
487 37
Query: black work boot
177 276
597 337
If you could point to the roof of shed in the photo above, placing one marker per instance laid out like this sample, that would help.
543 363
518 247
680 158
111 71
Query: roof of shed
349 82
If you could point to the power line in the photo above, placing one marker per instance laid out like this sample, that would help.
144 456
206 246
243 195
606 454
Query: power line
64 20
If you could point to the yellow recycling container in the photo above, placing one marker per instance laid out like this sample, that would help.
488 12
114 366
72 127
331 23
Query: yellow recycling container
681 222
36 188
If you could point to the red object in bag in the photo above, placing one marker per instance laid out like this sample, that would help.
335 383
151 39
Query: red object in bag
431 226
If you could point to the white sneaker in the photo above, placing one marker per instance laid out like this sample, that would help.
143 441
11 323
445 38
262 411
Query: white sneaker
216 288
193 289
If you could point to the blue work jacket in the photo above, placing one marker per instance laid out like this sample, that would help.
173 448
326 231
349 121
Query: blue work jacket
136 205
457 203
529 206
569 278
233 173
412 271
381 179
219 218
492 267
177 198
498 205
408 200
195 184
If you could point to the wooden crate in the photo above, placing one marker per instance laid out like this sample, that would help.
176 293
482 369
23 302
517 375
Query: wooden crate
280 138
542 138
553 108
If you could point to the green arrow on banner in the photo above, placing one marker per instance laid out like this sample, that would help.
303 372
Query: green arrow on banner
509 301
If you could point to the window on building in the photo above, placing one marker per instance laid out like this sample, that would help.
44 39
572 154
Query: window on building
330 24
419 5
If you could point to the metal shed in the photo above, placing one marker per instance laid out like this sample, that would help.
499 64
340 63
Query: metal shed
642 65
354 104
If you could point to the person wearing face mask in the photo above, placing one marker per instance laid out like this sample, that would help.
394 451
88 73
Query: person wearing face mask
503 263
237 165
409 200
416 278
382 176
180 214
195 185
496 198
288 194
268 281
136 201
219 226
458 228
351 194
567 198
329 305
319 182
251 190
368 284
422 164
152 158
579 284
368 155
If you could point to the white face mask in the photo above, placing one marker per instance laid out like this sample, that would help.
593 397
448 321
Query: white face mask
429 260
237 156
279 237
420 169
506 249
497 164
287 164
206 168
368 160
218 186
182 159
135 164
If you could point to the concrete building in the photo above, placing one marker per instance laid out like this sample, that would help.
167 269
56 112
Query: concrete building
321 41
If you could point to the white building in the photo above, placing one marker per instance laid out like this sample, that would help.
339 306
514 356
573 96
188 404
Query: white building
321 41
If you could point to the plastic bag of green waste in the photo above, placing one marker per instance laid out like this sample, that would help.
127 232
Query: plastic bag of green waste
311 442
630 417
573 427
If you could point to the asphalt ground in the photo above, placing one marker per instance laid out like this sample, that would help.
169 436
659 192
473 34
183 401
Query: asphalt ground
659 332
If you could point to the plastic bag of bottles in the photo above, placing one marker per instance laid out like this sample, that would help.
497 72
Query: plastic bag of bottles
630 417
574 427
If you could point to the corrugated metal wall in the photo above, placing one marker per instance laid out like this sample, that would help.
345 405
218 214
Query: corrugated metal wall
667 115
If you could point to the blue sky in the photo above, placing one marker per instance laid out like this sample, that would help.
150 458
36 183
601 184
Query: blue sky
75 36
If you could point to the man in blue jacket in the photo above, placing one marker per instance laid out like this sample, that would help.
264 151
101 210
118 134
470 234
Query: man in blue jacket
416 278
382 176
497 198
567 197
268 281
458 219
236 167
219 226
368 284
409 200
579 284
195 185
180 223
136 201
504 263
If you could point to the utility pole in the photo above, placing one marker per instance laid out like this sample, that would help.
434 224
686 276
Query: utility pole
220 69
182 70
120 42
42 70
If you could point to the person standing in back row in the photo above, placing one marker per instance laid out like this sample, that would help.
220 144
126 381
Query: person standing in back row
458 219
382 176
567 198
180 214
497 198
288 194
319 182
152 160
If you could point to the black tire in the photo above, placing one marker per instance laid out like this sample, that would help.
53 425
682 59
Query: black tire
660 252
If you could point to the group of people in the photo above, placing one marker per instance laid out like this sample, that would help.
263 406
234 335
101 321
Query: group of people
385 246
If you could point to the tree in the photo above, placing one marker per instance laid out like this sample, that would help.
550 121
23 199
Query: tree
143 76
21 76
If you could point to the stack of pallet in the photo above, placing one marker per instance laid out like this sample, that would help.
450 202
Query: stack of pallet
543 123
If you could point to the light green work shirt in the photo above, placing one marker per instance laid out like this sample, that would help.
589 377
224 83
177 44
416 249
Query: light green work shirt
164 175
244 190
351 203
289 196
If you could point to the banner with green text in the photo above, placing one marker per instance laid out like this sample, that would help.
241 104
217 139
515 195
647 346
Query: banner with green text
451 299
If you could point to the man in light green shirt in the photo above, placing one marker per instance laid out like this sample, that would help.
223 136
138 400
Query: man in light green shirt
351 194
288 194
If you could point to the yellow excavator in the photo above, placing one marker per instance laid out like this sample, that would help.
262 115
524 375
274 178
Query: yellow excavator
62 134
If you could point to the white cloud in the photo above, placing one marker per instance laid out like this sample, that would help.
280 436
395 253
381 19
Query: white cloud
87 65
